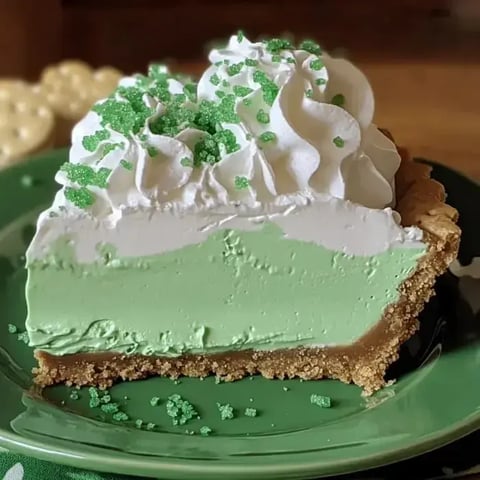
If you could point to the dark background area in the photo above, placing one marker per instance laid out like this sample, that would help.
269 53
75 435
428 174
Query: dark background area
130 33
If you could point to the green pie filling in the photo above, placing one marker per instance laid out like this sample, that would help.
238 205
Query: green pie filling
237 290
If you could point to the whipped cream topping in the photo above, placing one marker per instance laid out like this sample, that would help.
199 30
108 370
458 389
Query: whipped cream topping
266 124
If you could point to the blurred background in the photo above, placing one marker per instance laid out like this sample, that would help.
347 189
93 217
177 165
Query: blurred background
422 56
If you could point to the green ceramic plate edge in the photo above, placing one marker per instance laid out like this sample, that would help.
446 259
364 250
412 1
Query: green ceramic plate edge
353 459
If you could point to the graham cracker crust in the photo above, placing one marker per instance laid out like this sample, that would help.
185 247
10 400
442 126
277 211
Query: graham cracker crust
420 202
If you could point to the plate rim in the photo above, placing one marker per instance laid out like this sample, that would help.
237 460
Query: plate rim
133 464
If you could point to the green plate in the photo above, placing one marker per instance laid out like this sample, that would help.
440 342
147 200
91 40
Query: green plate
436 399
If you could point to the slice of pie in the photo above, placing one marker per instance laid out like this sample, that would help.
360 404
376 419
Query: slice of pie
255 222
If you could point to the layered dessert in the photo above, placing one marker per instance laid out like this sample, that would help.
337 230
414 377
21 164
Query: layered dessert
255 222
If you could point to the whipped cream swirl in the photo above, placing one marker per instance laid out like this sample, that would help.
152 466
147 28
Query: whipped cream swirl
266 123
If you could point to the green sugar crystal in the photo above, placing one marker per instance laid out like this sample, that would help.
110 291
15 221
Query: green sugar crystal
23 337
110 408
120 417
85 175
152 151
80 197
91 142
269 88
316 64
235 68
215 79
126 164
321 400
275 45
276 58
339 142
220 93
338 100
309 93
205 431
286 389
225 83
263 117
251 412
251 62
241 91
186 162
139 423
74 395
320 81
106 398
291 60
154 401
267 137
110 147
12 328
311 47
226 411
190 91
180 410
241 183
150 426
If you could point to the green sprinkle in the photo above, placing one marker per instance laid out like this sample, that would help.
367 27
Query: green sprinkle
241 91
94 402
220 93
126 164
291 60
225 83
152 151
286 389
205 431
309 93
85 176
311 47
150 426
190 90
110 408
321 400
106 398
23 337
91 142
316 64
154 401
241 183
320 81
120 417
251 412
247 101
275 45
139 423
338 100
110 147
263 117
226 411
186 162
80 197
143 137
339 142
276 58
74 395
251 62
267 137
240 36
235 68
215 79
12 328
93 392
269 88
180 410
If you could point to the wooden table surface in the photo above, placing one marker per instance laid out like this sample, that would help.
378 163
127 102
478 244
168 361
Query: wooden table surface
431 108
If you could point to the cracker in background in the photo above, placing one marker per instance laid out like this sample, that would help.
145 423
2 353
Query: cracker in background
71 88
26 122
